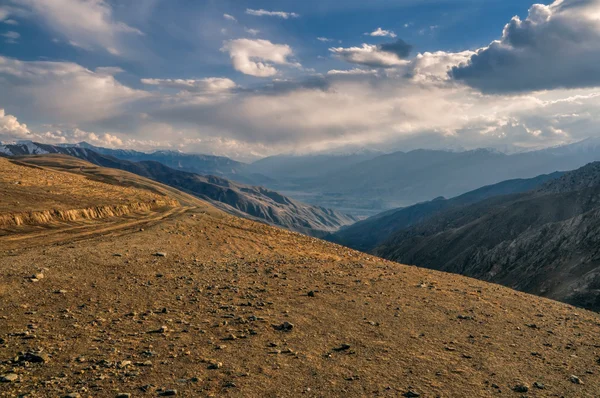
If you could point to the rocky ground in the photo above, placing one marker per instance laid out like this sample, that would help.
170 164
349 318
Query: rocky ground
195 303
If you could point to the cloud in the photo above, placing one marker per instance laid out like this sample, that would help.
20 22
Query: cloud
324 39
265 13
256 57
229 17
62 91
355 71
207 85
10 128
381 56
253 32
87 24
381 33
11 37
556 46
10 22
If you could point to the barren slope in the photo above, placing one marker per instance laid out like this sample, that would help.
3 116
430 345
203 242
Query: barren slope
110 316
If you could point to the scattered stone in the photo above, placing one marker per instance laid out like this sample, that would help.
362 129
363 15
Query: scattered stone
465 317
215 365
162 329
521 388
311 293
576 380
230 385
411 394
72 395
168 393
123 395
160 254
284 327
343 347
34 357
8 378
538 385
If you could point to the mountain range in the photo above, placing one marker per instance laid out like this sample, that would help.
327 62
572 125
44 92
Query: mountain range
545 241
243 200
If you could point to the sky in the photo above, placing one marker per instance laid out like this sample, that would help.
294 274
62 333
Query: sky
255 78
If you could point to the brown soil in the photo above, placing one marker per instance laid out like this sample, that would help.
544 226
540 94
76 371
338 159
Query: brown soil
113 317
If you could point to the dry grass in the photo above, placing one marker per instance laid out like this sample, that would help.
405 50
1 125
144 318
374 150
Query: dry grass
407 328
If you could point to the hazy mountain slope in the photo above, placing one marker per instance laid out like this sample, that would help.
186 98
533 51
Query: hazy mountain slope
367 234
199 302
404 178
238 199
193 163
544 242
308 166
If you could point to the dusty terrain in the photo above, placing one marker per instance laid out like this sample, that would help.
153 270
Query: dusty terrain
189 301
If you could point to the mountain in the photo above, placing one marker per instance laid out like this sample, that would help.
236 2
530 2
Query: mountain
193 163
543 242
180 299
369 186
249 201
365 235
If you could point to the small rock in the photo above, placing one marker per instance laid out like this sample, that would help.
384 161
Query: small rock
284 327
576 380
411 394
521 388
34 357
311 293
160 254
343 347
72 395
168 393
538 385
8 378
215 365
123 395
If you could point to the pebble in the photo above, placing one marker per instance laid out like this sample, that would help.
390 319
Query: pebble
411 394
123 395
285 326
521 388
538 385
160 254
576 380
8 378
72 395
168 393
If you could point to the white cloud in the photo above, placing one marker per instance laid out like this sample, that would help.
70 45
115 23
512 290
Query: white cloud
63 90
324 39
253 32
369 55
355 71
10 22
10 37
265 13
256 57
10 128
381 33
206 85
556 46
87 24
229 17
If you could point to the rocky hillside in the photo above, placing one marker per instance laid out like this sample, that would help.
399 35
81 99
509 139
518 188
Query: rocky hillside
543 242
366 235
242 200
198 303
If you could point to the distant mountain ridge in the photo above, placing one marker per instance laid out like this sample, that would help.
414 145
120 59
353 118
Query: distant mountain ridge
367 234
545 241
242 200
